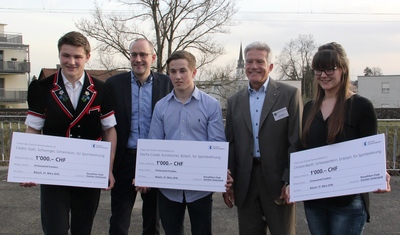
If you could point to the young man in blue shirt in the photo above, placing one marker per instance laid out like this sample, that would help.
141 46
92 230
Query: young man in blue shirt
186 114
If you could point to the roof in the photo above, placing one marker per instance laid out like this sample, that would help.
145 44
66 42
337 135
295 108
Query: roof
99 74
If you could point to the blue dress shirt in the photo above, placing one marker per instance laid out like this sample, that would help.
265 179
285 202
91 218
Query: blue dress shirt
198 119
256 100
141 110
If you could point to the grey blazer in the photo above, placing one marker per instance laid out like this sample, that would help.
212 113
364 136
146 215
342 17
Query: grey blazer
277 138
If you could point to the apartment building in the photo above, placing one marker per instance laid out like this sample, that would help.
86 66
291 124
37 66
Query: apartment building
383 91
14 70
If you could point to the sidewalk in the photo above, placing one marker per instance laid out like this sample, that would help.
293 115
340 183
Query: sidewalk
20 213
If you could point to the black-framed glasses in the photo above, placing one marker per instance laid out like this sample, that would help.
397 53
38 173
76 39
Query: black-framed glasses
330 71
142 55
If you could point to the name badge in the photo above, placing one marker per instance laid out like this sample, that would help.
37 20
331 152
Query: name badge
281 113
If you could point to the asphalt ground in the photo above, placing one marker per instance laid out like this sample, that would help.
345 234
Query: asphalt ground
20 212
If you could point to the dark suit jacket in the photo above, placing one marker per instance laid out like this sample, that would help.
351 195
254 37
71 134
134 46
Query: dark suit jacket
277 138
120 85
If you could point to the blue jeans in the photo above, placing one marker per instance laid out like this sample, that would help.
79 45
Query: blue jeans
328 219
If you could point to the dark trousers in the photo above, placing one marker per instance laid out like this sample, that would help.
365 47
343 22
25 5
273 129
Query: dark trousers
123 196
260 211
58 201
172 215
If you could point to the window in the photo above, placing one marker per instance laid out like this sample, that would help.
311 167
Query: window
1 87
385 87
1 59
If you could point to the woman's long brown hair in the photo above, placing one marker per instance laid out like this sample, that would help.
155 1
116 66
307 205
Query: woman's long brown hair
328 56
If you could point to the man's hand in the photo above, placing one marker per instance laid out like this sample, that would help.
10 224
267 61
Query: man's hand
285 194
27 184
388 188
111 181
229 198
141 189
229 181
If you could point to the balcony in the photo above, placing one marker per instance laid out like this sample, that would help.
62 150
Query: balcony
15 67
11 38
13 96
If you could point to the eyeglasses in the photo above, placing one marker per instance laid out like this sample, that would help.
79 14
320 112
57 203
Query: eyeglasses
330 71
142 55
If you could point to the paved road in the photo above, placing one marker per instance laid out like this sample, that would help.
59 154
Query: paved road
20 214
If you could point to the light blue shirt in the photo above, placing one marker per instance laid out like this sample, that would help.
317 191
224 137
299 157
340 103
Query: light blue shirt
141 110
256 100
199 119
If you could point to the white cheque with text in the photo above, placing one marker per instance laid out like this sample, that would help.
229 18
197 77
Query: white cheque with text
351 167
187 165
53 160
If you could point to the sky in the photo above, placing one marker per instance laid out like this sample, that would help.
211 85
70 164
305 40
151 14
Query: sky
369 30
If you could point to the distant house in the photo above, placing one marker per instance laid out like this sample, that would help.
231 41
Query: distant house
383 91
99 74
14 70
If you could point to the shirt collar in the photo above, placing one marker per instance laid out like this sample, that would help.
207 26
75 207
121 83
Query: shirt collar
264 86
195 94
148 80
65 80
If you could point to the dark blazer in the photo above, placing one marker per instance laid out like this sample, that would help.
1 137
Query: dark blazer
277 139
48 99
120 86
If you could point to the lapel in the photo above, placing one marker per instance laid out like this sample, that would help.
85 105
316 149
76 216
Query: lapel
245 107
60 95
156 90
126 92
86 98
270 99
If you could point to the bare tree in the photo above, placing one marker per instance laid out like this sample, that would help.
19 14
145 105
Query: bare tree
170 24
220 82
294 62
374 71
377 71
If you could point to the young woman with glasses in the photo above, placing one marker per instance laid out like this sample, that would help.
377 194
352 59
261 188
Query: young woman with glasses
336 114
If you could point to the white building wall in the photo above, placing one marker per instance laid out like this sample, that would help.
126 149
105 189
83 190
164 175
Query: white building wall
19 55
296 83
383 91
15 81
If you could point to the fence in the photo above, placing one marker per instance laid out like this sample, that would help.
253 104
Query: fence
389 127
8 125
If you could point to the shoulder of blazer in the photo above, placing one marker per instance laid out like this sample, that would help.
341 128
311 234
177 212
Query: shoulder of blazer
117 78
161 80
159 76
238 94
45 81
281 85
95 81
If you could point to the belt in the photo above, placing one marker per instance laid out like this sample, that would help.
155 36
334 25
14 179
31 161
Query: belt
256 161
130 151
